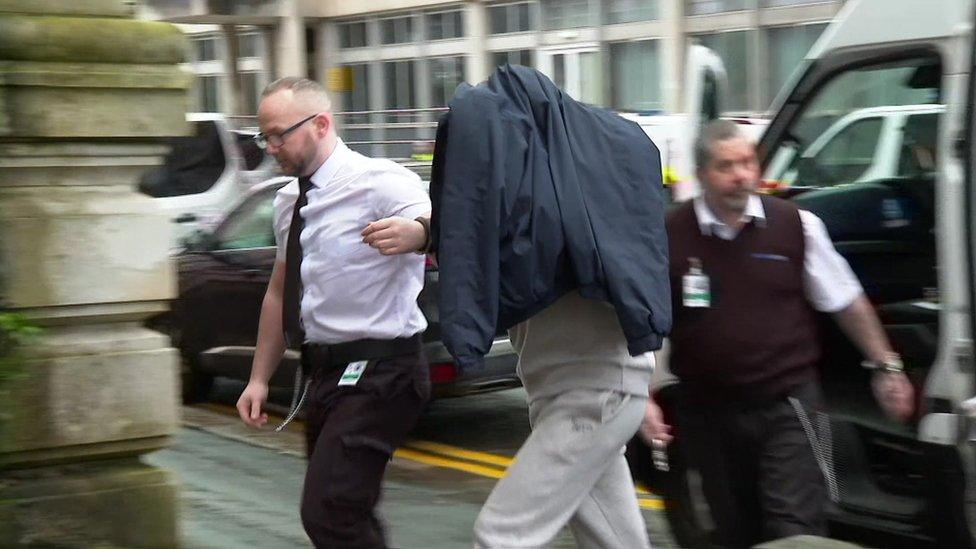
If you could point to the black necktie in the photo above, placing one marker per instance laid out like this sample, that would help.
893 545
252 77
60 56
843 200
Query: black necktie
291 321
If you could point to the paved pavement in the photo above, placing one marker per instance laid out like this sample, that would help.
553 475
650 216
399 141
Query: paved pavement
241 487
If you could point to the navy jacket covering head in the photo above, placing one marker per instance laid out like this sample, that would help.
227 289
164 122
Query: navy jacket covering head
535 195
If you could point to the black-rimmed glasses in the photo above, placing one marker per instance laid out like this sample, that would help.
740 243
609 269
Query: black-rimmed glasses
262 140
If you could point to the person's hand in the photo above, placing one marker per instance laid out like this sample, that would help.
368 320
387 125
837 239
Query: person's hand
894 394
653 427
395 235
252 400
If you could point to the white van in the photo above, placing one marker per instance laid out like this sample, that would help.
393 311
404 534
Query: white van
206 173
705 87
910 236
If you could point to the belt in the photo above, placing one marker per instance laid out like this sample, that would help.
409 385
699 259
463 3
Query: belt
317 356
322 357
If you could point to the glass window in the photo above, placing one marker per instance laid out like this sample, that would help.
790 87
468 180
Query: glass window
192 166
636 75
352 35
250 226
835 138
705 7
206 49
777 3
515 57
628 11
249 45
562 14
444 25
732 48
505 18
399 83
397 30
249 92
919 143
356 97
845 157
207 94
445 75
787 48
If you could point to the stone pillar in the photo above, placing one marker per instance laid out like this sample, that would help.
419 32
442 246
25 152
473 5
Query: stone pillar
85 94
477 66
289 43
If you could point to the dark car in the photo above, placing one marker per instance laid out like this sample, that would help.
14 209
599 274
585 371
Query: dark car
222 277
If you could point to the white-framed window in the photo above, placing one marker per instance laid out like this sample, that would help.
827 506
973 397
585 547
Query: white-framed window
396 30
444 25
206 48
514 57
249 45
705 7
399 78
512 17
564 14
445 74
207 94
635 69
629 11
352 34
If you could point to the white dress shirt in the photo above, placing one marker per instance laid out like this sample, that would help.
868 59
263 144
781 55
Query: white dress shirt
828 281
350 290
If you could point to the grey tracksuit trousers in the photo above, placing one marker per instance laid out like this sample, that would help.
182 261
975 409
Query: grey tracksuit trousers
587 398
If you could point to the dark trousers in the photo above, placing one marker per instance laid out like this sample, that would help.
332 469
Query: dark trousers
351 433
758 470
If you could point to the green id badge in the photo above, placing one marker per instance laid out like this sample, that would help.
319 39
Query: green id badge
353 372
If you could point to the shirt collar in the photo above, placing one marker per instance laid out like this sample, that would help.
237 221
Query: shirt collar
706 219
332 164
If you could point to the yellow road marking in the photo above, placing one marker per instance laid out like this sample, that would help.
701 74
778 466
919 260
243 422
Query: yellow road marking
655 504
460 453
452 457
428 459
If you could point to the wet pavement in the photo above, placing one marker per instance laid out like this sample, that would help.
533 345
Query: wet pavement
241 486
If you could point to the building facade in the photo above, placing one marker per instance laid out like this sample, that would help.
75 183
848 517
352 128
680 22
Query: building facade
402 54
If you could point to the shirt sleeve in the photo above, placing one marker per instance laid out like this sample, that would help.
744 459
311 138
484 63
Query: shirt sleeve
284 205
829 282
400 193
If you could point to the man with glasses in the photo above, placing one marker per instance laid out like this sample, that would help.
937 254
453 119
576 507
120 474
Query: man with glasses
352 309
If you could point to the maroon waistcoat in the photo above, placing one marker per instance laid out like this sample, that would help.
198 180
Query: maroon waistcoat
759 338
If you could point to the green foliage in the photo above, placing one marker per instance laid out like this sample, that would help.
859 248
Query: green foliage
16 333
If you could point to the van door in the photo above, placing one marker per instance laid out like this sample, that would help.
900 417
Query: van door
891 480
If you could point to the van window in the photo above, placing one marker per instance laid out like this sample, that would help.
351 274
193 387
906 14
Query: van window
845 157
906 83
192 166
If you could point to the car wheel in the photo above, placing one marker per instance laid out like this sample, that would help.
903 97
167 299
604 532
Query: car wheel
195 385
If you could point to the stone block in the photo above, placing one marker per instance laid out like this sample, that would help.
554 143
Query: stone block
92 390
115 503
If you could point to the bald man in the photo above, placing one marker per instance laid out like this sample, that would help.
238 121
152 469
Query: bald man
342 292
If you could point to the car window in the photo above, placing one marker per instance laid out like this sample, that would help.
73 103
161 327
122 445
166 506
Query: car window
918 146
907 83
251 225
